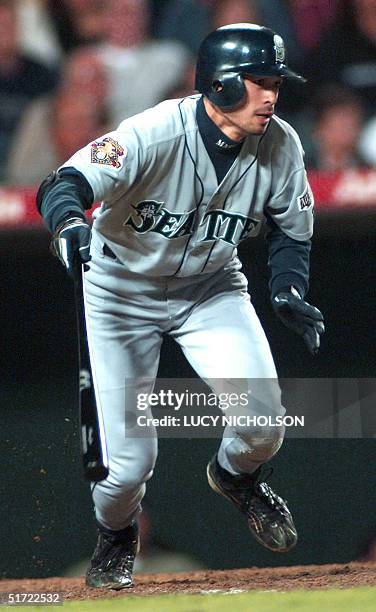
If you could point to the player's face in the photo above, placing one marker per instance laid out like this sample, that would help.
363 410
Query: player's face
256 111
255 114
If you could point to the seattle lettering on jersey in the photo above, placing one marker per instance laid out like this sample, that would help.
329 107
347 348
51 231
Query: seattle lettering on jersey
152 216
228 226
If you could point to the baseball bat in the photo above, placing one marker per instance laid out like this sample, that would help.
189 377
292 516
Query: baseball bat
93 443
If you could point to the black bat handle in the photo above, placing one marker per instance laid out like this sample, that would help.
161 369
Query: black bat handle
93 444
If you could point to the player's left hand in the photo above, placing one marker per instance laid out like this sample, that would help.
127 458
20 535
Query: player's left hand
303 318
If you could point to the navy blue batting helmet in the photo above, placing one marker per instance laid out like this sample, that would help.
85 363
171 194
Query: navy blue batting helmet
229 53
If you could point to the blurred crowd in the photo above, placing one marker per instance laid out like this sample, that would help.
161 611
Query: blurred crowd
70 70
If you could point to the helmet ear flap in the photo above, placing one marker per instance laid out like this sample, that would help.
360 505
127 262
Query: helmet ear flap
217 86
227 90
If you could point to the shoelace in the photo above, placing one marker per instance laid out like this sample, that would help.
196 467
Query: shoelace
113 553
263 491
120 559
126 563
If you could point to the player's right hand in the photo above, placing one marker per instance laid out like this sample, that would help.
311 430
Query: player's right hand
71 241
303 318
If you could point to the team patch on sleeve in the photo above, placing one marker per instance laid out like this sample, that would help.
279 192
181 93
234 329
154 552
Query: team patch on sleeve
306 199
107 151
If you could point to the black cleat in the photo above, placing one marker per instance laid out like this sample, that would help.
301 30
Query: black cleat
111 566
268 516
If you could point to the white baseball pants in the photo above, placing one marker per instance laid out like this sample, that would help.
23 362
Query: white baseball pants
214 322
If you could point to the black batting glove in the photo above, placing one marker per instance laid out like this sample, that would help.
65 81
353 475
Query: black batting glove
301 317
71 242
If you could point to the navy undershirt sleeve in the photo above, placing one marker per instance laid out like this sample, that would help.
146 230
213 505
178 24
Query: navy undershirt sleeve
64 194
288 260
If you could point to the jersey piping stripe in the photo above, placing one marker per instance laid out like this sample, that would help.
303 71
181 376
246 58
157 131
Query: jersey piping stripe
201 185
230 190
102 432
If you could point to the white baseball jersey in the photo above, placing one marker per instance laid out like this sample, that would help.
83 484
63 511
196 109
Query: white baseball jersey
163 212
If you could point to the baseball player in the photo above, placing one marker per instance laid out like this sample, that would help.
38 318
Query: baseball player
181 185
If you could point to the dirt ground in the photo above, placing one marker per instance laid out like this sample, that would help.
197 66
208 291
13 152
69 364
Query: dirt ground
263 579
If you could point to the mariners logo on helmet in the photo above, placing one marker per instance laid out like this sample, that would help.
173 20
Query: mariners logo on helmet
279 48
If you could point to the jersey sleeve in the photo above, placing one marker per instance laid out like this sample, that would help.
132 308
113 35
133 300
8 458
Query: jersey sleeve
108 161
291 202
